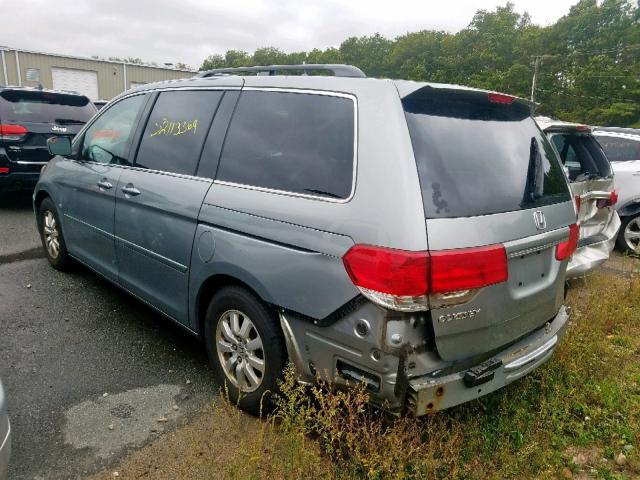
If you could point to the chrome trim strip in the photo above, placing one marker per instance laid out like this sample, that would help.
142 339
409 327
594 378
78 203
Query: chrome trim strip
156 256
23 162
99 230
535 249
533 356
305 195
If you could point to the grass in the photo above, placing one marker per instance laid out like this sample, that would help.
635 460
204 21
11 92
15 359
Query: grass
570 418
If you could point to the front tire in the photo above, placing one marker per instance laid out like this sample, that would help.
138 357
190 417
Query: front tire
245 347
629 235
51 236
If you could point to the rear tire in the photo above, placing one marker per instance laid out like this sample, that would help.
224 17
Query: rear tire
629 236
246 348
52 237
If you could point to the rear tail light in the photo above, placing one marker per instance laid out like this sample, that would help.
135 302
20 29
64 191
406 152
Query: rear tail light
403 280
501 98
608 202
4 170
578 203
12 132
468 268
565 249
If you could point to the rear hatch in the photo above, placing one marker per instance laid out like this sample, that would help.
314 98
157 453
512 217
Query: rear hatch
30 117
497 209
590 176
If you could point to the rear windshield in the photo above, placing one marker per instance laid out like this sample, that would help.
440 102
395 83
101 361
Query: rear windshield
44 107
475 157
581 156
620 149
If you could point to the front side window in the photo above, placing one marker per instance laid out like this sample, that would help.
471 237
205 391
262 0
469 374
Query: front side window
620 149
293 142
178 125
107 139
582 157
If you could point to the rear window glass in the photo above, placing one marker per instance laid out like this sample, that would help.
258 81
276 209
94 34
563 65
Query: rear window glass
293 142
581 156
475 157
620 149
44 107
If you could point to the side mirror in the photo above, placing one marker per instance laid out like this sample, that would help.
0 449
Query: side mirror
59 146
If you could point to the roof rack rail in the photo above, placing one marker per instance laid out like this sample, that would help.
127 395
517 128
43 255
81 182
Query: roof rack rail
337 70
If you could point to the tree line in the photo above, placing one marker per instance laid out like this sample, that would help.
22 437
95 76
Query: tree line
588 61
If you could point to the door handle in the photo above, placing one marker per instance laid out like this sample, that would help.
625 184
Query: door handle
104 184
130 190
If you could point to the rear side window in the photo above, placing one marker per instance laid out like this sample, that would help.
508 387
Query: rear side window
174 135
44 107
620 149
582 157
294 142
475 157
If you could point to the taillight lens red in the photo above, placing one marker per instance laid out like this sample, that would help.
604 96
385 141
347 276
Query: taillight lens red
386 270
468 268
12 132
401 273
578 203
501 98
565 249
613 198
4 170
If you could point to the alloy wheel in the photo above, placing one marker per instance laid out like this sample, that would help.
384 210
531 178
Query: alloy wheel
632 234
51 234
240 350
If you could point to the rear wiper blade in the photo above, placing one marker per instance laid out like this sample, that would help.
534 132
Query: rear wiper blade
69 121
322 192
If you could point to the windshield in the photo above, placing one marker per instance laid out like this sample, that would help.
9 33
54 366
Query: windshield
18 106
475 157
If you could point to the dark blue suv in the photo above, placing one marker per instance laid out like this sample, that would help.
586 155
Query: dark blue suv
28 118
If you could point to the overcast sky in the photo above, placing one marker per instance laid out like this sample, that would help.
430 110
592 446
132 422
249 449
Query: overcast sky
189 30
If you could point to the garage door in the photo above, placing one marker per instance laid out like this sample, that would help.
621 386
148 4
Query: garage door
81 81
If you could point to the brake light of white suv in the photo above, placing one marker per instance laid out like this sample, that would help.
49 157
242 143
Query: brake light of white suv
403 280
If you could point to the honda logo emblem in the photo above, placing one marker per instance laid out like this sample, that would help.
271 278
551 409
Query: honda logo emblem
541 221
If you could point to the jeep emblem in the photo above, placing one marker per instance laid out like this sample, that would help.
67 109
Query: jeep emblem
56 128
539 218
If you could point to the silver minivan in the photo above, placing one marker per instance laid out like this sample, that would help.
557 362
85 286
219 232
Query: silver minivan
407 235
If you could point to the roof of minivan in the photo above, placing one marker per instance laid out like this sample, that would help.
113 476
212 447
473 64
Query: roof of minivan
311 82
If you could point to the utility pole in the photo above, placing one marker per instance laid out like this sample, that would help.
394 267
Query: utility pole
536 66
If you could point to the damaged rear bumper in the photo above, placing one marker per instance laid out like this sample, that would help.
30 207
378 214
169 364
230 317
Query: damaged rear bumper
594 251
429 393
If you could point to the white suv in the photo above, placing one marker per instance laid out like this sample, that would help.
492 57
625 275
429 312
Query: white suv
592 184
622 147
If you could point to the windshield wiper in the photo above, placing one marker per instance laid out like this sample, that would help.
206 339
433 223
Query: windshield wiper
69 121
535 175
322 192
